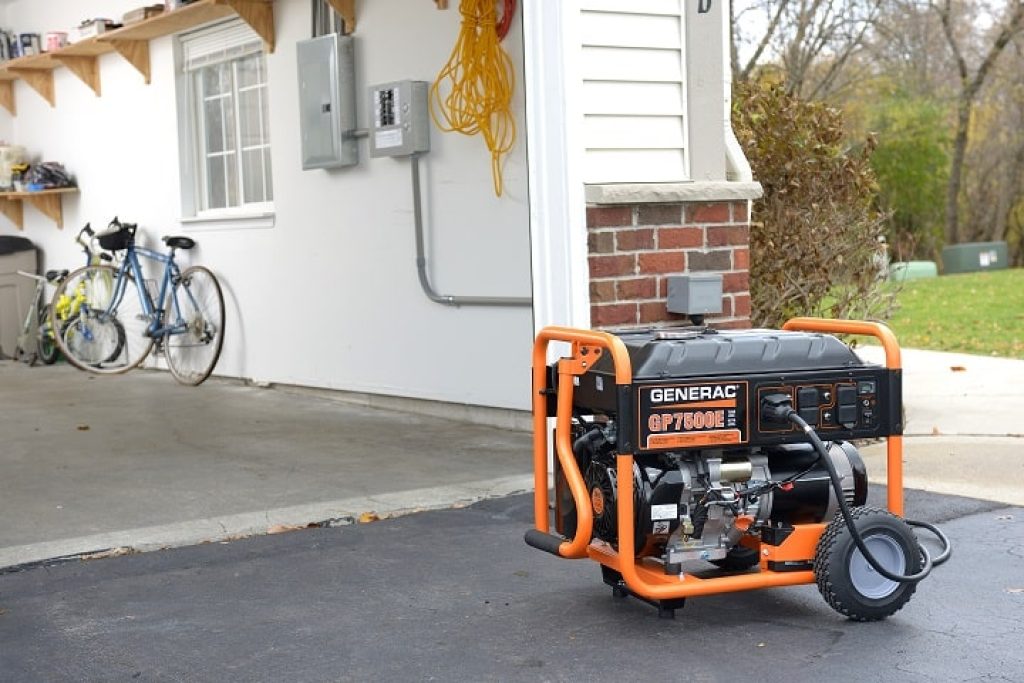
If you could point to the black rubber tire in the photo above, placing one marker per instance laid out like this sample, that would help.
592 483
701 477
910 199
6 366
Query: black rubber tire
192 355
740 557
132 344
833 556
46 341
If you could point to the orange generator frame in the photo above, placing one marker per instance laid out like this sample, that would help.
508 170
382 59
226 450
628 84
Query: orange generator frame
644 577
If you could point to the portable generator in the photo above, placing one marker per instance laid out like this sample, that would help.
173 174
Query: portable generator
675 448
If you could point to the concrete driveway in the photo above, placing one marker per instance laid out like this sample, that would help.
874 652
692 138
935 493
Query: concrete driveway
965 425
93 463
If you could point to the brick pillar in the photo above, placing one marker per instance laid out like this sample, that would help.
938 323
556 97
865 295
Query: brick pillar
635 247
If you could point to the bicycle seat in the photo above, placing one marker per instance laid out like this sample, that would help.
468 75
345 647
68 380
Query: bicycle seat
54 275
178 242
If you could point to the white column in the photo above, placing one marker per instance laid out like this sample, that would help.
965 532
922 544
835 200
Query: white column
708 87
561 277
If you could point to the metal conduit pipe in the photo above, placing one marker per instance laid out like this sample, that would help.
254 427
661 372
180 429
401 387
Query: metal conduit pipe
421 260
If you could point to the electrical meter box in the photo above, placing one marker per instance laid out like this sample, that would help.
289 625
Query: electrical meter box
327 102
399 121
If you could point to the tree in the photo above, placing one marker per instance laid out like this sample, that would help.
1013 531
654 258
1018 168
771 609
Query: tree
970 84
993 183
813 42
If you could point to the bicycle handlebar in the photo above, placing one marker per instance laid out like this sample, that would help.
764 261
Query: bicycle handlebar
37 278
89 246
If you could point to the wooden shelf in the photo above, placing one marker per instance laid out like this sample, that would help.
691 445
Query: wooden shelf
49 202
131 43
259 14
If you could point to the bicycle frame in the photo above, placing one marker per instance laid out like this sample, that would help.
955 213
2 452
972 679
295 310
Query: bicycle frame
153 310
33 313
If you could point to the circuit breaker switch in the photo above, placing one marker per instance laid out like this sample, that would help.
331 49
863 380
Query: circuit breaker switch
399 119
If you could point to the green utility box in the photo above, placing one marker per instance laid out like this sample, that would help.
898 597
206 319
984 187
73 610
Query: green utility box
912 270
974 256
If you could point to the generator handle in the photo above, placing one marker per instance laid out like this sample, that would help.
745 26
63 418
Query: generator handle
578 363
893 361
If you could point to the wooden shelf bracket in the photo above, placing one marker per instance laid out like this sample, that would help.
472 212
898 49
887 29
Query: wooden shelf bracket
40 80
7 97
49 205
346 9
85 67
136 52
259 14
14 210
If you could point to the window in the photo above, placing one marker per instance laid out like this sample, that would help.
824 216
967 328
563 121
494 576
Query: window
224 83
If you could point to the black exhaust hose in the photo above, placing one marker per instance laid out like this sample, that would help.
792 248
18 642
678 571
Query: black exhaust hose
929 563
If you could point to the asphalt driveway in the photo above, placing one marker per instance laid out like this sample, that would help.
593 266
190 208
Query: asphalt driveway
455 595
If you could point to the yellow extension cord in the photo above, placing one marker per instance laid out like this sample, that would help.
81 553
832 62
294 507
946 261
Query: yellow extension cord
480 81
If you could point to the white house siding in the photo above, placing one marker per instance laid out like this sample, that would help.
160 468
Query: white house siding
327 297
634 91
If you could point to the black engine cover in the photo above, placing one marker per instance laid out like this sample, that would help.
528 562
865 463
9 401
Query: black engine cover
697 389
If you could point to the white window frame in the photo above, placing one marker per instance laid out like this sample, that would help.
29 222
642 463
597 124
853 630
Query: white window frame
238 41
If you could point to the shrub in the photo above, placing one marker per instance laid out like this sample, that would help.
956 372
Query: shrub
816 241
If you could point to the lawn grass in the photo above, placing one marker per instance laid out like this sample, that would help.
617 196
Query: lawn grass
981 313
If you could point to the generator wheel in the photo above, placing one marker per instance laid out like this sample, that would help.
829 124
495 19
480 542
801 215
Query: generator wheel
738 558
845 579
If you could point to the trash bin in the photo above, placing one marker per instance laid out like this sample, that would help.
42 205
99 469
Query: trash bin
16 253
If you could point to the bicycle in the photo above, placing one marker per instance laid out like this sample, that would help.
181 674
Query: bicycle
37 332
41 335
113 331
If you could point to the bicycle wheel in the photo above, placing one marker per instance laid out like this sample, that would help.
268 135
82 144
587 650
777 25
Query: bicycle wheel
46 341
196 309
92 339
102 326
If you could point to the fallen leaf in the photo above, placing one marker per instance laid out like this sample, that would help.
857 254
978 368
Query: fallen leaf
283 528
958 368
82 427
367 517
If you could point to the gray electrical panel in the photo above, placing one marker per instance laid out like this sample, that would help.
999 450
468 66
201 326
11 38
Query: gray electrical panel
327 102
399 120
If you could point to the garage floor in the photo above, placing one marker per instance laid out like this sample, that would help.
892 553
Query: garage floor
90 463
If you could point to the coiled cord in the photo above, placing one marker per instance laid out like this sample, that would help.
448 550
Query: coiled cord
928 561
479 80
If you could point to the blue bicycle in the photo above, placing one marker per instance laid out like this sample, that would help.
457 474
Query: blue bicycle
119 316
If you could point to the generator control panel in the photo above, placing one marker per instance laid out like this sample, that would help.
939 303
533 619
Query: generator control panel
708 391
